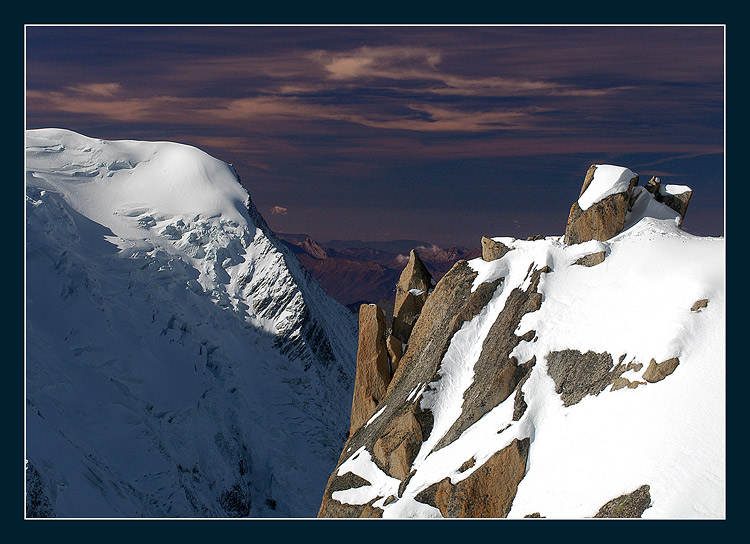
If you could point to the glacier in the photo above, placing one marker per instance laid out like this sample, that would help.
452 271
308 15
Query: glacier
179 361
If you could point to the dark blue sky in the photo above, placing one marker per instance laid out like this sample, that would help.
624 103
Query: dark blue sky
435 133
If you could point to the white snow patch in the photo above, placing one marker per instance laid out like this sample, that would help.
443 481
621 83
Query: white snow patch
376 415
674 189
361 464
608 180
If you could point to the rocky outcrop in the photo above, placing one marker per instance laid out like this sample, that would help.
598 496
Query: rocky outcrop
603 219
373 372
450 305
395 351
412 289
492 249
579 374
656 372
396 435
699 304
630 505
676 197
496 373
487 492
396 449
592 259
678 202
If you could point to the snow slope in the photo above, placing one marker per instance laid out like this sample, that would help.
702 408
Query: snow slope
637 305
179 361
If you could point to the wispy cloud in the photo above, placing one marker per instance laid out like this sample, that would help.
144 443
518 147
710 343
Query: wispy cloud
278 210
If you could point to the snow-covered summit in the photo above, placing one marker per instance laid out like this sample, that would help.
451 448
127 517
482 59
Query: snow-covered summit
560 380
179 360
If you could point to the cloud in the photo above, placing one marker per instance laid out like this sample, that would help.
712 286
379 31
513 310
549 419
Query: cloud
421 64
98 89
393 62
280 210
94 100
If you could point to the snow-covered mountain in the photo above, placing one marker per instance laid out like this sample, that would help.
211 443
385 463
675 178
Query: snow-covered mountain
179 361
555 379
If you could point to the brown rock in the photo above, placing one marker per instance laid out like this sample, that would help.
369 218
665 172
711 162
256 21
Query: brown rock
496 373
492 249
656 372
397 448
602 220
488 492
592 259
331 508
678 202
411 293
373 374
621 383
702 303
654 185
395 351
370 511
630 505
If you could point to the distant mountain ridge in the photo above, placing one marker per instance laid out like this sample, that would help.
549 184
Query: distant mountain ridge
356 272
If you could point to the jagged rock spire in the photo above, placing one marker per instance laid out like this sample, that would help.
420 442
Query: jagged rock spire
373 371
411 292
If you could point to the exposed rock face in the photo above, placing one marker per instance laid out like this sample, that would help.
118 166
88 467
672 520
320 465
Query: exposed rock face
445 310
602 220
373 372
630 505
656 372
492 249
487 492
654 185
411 292
678 202
496 373
396 449
579 374
592 259
395 351
396 436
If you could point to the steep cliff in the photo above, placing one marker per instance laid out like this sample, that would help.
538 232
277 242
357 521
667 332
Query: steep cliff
558 379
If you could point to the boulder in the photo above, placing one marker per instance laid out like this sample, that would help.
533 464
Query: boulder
630 505
373 372
411 293
676 197
702 303
654 185
492 249
656 372
599 213
592 259
488 492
